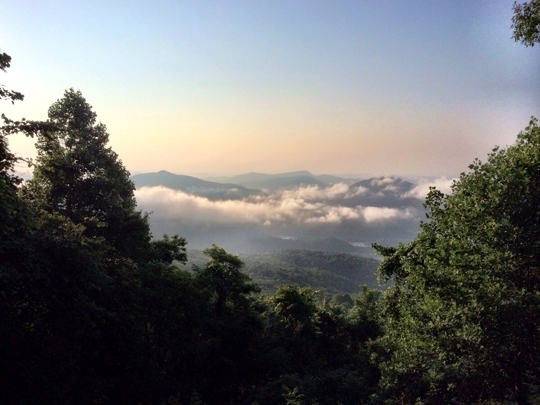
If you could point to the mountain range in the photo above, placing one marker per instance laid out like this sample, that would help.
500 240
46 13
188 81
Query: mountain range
248 184
287 179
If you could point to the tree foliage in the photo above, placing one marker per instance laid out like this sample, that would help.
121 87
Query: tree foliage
78 176
462 321
222 277
526 22
5 62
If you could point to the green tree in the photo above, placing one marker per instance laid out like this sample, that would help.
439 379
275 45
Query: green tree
229 334
526 22
76 175
5 62
462 320
223 279
77 271
296 307
15 228
9 201
316 352
50 287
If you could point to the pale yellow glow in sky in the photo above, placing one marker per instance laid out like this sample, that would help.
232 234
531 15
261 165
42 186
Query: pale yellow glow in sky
269 137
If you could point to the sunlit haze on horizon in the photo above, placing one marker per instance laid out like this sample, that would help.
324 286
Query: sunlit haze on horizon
417 88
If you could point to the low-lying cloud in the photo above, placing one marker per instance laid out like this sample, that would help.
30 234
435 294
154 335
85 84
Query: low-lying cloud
420 191
303 205
338 191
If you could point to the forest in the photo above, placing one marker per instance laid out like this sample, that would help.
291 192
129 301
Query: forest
95 310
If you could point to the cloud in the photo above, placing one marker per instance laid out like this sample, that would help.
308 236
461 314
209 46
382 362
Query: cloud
378 214
304 205
166 204
315 193
382 181
420 191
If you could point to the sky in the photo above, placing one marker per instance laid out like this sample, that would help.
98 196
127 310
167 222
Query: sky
356 88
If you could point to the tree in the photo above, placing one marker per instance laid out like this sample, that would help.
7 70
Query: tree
316 352
5 62
90 306
462 320
232 326
49 286
8 182
296 307
76 175
223 278
526 22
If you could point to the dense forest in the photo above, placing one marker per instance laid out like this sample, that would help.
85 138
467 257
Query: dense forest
94 310
329 273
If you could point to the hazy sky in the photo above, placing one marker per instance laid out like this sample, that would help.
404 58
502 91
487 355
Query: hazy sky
225 87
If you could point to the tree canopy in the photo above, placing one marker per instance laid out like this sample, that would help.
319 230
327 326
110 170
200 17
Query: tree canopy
78 176
526 22
5 62
462 321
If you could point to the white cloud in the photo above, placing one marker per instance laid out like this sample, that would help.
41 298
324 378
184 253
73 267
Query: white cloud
315 193
171 204
443 184
305 205
382 181
378 214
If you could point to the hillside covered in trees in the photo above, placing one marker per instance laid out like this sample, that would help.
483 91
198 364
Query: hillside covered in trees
95 310
328 273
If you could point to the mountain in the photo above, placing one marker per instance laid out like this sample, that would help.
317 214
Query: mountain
253 177
286 182
241 178
388 185
339 219
193 185
329 179
249 179
326 272
382 192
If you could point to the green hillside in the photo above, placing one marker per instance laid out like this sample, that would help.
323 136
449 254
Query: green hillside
327 272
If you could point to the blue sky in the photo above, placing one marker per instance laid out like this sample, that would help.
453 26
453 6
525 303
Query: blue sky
225 87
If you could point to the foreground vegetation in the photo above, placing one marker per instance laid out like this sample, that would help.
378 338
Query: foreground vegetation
94 311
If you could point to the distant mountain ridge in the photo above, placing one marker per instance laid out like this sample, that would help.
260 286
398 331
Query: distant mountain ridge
193 185
387 191
256 177
326 244
235 187
385 184
285 182
286 179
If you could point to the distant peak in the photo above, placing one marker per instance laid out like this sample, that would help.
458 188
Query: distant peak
295 174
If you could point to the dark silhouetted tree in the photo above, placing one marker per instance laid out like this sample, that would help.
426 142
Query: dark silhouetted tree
78 176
